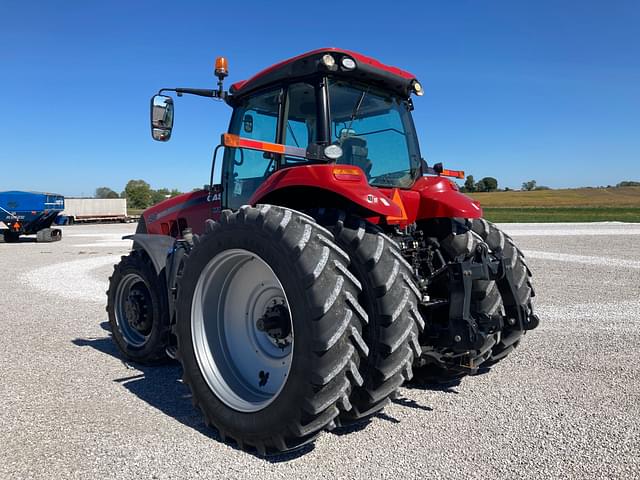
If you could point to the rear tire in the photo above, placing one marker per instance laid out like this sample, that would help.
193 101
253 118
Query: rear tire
390 297
501 243
486 300
138 310
302 266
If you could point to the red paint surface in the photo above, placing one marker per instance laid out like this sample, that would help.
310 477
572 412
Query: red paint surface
439 197
356 56
193 207
430 197
321 176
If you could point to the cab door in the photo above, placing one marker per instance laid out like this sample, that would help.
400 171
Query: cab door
245 170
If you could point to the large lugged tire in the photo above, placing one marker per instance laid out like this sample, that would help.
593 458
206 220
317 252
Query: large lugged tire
271 390
501 243
486 300
137 308
9 237
47 235
390 297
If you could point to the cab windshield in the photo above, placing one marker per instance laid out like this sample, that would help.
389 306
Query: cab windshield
375 132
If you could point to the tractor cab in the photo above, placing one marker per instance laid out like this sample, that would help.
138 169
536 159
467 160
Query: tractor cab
326 107
327 116
329 128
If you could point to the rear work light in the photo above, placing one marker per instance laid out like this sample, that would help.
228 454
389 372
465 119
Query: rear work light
347 174
328 60
348 63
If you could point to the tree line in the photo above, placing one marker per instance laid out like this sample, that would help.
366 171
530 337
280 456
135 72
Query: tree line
138 193
490 184
486 184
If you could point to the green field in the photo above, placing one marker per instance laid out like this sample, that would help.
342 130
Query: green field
567 205
564 214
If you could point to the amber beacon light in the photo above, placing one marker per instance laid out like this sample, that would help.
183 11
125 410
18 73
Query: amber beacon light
221 68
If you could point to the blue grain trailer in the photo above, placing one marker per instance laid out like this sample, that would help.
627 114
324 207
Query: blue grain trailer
26 213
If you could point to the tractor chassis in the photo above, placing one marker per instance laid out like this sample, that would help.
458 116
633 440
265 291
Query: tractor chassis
464 343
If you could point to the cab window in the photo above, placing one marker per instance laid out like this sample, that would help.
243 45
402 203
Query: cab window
256 119
300 119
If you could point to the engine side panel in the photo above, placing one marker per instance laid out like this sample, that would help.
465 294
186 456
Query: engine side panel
189 210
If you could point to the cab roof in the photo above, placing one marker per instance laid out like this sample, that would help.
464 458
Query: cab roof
367 70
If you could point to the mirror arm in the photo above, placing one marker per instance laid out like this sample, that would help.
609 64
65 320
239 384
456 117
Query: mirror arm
201 92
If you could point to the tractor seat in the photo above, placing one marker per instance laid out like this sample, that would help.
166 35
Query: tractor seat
354 152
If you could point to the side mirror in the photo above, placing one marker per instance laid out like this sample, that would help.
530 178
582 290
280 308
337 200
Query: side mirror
247 123
161 117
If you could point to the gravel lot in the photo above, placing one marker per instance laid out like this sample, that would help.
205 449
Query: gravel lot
566 404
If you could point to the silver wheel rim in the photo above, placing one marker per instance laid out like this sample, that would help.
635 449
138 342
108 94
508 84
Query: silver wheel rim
133 296
246 368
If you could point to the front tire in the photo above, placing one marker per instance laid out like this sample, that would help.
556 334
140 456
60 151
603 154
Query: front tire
261 265
138 310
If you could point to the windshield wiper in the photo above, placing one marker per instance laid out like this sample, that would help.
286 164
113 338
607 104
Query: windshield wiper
293 135
357 108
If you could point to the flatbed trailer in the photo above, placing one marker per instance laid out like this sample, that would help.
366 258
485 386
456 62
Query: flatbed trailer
28 213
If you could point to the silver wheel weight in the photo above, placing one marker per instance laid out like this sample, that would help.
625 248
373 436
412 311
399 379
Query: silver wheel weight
241 330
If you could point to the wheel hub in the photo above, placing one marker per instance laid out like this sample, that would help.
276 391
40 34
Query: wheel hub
133 309
136 310
276 323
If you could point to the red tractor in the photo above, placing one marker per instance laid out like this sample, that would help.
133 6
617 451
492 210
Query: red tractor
326 266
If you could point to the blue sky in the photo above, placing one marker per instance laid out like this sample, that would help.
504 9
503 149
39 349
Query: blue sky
517 90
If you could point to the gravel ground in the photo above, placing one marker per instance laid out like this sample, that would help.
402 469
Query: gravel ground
564 405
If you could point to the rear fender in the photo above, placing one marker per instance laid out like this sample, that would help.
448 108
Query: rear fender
439 197
308 186
166 254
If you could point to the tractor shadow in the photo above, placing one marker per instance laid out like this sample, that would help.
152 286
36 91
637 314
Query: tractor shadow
446 387
161 387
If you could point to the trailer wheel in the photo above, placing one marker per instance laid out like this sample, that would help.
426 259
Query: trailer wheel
137 308
268 328
48 235
389 297
9 237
